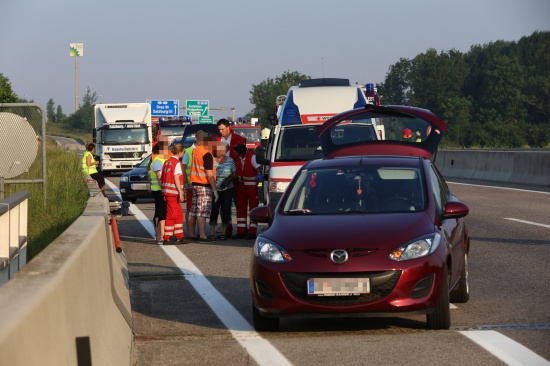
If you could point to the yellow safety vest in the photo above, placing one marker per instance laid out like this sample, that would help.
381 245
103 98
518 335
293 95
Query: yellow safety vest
155 185
85 168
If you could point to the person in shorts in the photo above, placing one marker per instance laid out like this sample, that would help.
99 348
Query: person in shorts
203 182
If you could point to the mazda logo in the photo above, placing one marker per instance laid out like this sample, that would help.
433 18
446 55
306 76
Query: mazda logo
339 256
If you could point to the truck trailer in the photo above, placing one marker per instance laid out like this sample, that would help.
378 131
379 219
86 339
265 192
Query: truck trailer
122 134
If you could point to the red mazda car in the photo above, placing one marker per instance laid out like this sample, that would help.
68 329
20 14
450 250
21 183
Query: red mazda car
370 230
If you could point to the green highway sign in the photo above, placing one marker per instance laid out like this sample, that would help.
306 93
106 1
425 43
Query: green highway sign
196 108
206 119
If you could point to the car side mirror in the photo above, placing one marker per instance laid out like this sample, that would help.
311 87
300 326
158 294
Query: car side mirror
260 155
260 214
455 210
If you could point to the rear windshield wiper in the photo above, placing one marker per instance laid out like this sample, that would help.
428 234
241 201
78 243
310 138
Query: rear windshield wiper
299 211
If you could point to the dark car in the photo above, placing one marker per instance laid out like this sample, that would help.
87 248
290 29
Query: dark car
188 138
370 230
134 184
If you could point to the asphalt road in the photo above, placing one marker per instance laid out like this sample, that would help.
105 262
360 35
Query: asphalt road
191 303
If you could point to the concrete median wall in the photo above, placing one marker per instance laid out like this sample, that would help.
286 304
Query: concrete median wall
530 167
70 305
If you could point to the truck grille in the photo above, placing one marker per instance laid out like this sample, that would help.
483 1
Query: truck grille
126 155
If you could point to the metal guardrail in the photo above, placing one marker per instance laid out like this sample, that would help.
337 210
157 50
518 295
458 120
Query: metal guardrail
13 234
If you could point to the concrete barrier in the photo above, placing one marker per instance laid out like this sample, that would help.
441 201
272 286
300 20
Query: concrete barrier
70 305
529 167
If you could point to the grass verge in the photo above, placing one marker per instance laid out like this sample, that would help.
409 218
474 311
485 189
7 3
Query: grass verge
65 199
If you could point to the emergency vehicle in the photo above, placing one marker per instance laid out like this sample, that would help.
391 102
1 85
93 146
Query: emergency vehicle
250 130
170 127
293 139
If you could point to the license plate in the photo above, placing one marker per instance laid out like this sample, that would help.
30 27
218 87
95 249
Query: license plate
139 186
338 286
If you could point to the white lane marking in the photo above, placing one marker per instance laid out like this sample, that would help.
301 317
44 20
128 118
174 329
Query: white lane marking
504 348
260 349
483 186
527 222
452 306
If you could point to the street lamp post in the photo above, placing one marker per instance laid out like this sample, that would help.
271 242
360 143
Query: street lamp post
76 50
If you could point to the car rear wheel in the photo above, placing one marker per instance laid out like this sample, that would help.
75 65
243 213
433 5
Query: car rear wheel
441 316
461 292
262 323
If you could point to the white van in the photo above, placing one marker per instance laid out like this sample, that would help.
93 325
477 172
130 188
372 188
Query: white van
293 139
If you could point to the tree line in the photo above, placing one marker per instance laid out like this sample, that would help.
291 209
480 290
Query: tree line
494 95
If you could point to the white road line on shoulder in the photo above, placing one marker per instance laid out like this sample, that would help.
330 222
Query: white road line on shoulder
504 348
508 188
263 352
527 222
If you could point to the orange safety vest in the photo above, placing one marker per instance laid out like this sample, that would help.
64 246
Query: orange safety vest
198 173
167 180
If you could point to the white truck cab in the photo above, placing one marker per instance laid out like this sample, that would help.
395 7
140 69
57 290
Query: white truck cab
293 140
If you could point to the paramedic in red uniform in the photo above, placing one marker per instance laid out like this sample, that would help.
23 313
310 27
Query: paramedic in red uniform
232 139
172 191
248 173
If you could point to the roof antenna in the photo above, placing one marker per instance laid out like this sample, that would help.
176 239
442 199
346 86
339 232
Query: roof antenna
323 64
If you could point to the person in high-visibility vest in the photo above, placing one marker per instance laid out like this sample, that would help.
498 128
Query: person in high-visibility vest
89 167
160 153
171 182
248 173
186 164
203 181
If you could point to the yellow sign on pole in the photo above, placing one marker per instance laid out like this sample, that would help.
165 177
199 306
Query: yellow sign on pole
76 49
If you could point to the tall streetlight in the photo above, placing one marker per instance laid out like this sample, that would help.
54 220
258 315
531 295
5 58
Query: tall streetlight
76 50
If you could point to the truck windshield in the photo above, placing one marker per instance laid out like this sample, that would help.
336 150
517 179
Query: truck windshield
172 130
298 143
250 134
126 136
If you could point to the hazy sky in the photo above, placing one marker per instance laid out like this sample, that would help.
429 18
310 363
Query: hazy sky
136 50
